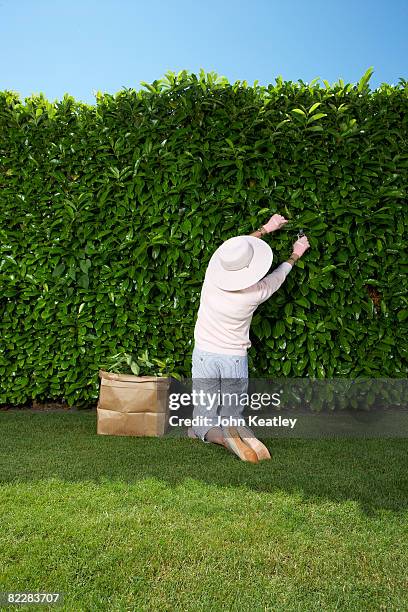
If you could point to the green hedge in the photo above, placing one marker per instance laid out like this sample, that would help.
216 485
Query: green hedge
110 213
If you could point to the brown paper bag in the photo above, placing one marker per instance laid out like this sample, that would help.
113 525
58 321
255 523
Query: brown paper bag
131 405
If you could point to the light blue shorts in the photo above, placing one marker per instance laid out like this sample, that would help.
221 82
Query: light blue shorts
217 375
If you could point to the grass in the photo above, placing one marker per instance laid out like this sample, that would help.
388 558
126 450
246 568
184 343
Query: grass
118 523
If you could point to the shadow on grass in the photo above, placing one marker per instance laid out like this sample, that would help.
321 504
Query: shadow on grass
39 445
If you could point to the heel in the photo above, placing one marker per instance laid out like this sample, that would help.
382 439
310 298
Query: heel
234 443
256 445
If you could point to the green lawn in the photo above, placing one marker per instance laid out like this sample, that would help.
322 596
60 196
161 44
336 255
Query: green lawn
120 523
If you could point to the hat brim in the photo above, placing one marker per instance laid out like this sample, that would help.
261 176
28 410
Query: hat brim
233 280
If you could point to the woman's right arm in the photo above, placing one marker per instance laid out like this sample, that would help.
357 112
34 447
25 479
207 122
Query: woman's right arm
271 283
301 245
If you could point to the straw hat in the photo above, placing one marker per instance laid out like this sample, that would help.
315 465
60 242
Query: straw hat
239 263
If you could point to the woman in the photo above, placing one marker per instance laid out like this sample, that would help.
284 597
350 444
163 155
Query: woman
234 285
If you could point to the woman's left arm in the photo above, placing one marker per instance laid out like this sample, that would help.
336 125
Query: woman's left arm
274 223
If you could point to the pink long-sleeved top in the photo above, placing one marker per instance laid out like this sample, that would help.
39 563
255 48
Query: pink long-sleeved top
224 317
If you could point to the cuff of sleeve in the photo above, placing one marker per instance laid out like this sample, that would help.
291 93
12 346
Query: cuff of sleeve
286 266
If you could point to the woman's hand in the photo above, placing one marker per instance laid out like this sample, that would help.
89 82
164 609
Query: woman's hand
301 245
275 223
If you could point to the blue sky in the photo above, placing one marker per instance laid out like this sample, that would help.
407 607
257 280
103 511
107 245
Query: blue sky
81 46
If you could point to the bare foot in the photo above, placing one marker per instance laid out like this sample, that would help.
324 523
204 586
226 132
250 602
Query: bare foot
215 436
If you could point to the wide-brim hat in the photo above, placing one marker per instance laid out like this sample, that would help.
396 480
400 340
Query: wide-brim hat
239 262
